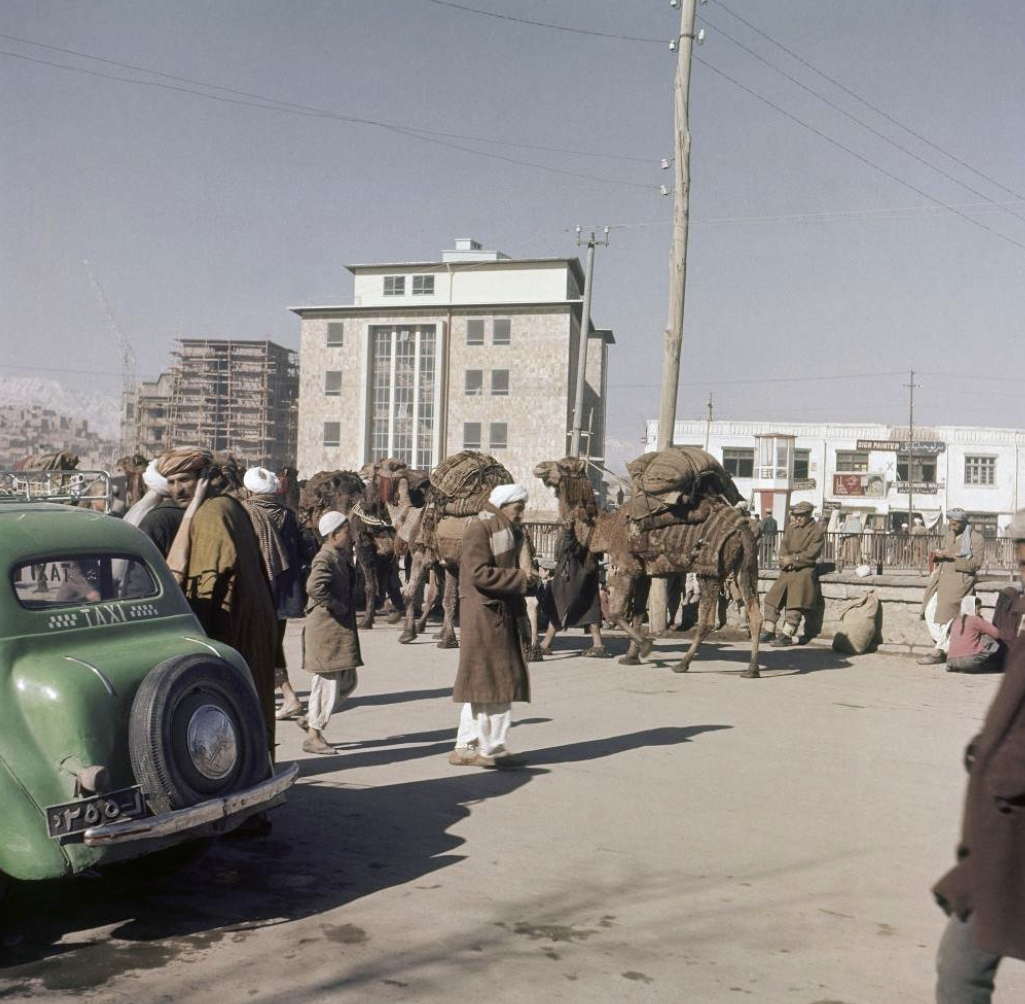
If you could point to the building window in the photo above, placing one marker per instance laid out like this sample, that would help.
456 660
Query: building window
475 331
423 285
739 463
499 383
474 383
923 469
500 333
332 433
802 465
980 470
394 285
335 334
471 435
498 436
333 383
851 461
402 389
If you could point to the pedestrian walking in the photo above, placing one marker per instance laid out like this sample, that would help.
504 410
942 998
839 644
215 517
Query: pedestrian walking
281 549
492 671
331 650
984 894
974 642
797 588
957 564
571 599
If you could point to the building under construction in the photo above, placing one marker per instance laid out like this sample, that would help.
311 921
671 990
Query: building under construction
237 397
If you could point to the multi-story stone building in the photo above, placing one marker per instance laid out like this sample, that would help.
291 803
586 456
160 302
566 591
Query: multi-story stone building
873 469
151 414
475 351
28 430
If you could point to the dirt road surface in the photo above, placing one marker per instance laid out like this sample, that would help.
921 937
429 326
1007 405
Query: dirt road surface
697 838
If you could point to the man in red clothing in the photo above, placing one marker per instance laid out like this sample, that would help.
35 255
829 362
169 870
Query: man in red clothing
974 642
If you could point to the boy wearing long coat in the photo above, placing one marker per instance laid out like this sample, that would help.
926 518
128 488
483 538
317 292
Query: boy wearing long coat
984 894
492 671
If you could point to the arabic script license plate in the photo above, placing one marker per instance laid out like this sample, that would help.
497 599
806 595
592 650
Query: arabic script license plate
76 817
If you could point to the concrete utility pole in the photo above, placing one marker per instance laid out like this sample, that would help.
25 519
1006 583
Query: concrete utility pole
585 324
673 346
911 451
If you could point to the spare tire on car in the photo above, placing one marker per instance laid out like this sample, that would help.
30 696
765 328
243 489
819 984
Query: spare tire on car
196 732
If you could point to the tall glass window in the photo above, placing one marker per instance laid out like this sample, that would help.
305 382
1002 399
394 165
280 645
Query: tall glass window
402 383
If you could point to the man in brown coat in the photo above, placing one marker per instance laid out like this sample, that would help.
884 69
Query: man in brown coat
984 894
492 672
957 564
797 588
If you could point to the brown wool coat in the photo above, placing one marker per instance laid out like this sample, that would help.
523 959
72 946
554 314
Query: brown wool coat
491 590
989 879
953 580
799 589
330 638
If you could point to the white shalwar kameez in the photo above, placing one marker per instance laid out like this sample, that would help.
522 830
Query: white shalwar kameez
940 632
484 727
328 692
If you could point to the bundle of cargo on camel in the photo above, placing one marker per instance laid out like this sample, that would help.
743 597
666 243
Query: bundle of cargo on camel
681 518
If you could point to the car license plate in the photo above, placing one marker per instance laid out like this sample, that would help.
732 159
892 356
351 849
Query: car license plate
76 817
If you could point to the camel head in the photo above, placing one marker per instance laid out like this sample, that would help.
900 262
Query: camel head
325 491
568 477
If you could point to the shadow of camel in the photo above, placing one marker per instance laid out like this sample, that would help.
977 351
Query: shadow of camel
594 749
397 697
796 660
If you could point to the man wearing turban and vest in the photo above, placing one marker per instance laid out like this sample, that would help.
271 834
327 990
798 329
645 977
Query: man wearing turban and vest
493 581
216 558
956 565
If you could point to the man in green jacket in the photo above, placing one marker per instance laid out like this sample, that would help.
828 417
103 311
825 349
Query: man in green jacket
797 588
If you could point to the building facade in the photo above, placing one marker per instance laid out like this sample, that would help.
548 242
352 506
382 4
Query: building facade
876 470
148 421
476 351
29 430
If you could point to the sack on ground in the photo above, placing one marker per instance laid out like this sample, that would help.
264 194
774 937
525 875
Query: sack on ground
859 625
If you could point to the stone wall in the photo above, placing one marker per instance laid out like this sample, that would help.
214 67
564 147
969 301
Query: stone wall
900 597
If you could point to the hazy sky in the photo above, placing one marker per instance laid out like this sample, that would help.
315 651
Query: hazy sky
209 217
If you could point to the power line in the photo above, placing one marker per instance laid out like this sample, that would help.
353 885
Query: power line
852 117
764 380
545 24
272 104
868 104
854 153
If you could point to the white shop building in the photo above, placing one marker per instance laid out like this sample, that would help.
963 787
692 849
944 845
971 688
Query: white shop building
876 470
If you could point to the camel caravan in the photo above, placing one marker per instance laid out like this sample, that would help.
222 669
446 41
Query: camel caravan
681 519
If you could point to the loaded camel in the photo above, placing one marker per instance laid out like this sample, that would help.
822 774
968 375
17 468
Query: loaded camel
711 539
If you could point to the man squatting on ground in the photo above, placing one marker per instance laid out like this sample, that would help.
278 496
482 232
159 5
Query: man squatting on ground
957 564
492 671
330 639
797 588
984 894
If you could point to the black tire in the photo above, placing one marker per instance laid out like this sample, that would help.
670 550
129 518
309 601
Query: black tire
171 699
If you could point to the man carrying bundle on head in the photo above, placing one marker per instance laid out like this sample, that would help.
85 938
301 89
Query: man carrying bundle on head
216 559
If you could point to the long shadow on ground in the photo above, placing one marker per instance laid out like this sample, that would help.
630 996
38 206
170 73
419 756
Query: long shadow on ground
796 660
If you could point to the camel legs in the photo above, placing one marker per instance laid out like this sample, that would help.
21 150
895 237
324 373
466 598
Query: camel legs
630 592
417 578
708 608
448 629
430 597
368 566
754 620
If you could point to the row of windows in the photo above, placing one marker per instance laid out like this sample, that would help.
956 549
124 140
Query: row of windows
501 329
978 470
498 435
475 383
395 285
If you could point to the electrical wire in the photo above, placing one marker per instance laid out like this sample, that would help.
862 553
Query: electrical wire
768 380
545 24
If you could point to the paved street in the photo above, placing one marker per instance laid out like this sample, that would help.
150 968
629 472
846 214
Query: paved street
695 838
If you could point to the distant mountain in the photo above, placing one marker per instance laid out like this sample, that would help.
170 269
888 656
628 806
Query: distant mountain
101 411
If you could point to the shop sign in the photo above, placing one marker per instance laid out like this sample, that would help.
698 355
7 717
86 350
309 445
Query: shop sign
829 505
919 487
865 485
919 447
804 485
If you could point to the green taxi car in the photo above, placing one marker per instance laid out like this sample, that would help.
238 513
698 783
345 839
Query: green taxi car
124 729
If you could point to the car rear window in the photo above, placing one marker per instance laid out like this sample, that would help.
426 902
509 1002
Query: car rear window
78 581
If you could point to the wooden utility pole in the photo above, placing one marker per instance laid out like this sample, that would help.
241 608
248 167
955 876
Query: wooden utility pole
585 324
708 423
673 345
911 452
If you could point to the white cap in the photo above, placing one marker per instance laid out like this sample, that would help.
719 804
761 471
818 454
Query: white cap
507 494
330 522
260 481
154 480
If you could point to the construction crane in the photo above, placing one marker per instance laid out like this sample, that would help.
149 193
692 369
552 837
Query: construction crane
129 387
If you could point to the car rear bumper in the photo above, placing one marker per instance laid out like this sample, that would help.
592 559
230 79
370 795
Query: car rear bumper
234 807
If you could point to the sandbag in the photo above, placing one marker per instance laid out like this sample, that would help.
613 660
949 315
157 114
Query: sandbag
467 475
859 625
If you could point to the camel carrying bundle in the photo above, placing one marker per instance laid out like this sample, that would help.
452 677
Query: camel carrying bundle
676 478
465 480
700 543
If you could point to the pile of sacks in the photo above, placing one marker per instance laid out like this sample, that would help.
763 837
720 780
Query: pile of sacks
463 482
670 482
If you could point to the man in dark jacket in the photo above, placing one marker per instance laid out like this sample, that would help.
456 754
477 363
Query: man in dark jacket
984 894
797 588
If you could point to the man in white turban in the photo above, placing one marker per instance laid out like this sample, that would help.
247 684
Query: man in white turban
494 578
